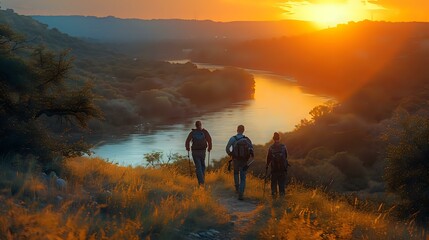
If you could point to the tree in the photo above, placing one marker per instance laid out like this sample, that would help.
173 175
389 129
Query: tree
39 102
407 162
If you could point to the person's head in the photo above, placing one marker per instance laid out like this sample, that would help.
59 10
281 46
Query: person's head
276 137
240 129
198 124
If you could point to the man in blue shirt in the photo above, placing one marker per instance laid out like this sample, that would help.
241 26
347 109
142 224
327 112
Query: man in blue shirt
240 148
201 140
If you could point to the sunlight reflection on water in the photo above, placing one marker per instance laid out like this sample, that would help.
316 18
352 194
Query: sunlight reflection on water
278 105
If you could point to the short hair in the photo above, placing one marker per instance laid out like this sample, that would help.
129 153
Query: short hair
276 136
240 129
198 124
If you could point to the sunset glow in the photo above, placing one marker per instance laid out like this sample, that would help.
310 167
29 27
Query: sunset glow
328 13
324 12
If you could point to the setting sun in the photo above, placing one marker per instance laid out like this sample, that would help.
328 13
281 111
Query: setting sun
329 14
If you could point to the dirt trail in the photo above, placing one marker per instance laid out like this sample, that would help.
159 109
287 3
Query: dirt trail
243 215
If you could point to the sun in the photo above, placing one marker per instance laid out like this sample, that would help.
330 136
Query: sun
329 14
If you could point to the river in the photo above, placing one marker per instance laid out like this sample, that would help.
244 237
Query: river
278 105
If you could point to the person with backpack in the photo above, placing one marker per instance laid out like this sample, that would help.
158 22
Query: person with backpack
240 148
277 159
201 140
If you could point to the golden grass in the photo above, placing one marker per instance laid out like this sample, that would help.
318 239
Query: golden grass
107 201
312 214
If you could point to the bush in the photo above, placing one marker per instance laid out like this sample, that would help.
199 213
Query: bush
407 170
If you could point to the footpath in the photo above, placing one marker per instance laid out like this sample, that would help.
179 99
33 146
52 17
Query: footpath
243 215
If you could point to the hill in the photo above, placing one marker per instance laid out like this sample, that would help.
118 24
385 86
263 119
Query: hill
111 29
373 138
106 201
141 90
336 61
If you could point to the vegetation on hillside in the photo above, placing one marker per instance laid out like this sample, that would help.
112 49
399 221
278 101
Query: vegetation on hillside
375 139
136 90
378 73
106 201
36 91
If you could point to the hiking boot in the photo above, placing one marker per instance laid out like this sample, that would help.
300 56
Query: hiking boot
240 196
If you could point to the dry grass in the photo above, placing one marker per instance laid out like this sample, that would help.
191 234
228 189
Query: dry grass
312 214
107 201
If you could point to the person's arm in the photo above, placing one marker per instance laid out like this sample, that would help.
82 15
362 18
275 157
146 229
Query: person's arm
188 140
268 158
286 156
228 145
251 148
285 151
208 139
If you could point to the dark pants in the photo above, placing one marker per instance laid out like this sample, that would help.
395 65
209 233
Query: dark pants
199 157
278 179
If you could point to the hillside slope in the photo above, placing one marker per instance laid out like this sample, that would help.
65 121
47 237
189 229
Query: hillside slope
105 201
136 90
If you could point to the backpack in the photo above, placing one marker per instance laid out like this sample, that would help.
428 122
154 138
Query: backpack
198 140
278 158
241 148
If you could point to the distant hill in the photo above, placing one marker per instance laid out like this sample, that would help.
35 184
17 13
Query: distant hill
37 33
335 61
113 29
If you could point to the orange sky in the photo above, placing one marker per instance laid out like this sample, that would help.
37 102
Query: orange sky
328 11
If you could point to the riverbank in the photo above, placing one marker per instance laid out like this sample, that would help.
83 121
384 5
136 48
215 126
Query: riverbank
278 105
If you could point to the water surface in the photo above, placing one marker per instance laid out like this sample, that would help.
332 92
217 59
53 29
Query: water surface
278 105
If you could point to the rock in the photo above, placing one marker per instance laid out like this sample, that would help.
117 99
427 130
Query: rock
61 184
214 231
195 235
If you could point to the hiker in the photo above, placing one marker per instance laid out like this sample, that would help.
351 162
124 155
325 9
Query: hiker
240 148
201 141
277 159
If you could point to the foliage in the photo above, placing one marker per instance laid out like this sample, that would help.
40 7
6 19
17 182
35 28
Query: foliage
407 154
136 90
153 159
35 88
106 201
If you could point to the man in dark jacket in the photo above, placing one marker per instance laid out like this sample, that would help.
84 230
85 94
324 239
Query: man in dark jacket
201 140
277 158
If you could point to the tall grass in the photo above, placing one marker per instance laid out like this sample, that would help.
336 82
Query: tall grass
107 201
313 214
